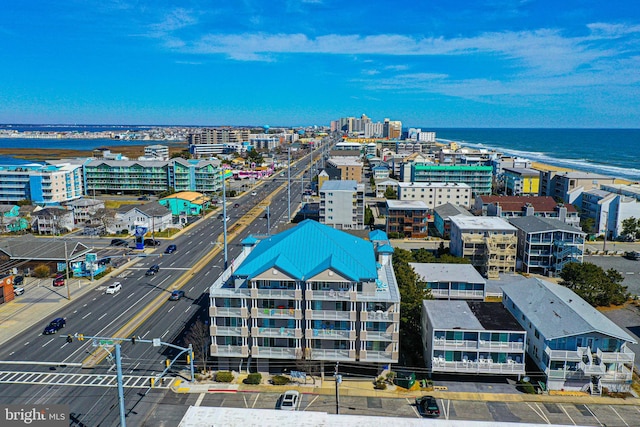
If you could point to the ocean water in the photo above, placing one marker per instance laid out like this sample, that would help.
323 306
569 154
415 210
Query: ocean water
613 152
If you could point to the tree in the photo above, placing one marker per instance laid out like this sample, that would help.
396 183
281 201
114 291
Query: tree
368 216
198 336
41 271
587 224
372 181
412 292
423 255
254 157
594 285
631 227
390 194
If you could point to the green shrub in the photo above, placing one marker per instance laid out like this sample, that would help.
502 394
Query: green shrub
253 379
280 380
224 377
379 384
527 387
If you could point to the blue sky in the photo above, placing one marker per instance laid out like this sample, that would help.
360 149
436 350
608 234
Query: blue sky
493 63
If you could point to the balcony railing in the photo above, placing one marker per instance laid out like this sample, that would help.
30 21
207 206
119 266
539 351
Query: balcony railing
330 295
276 313
625 355
378 356
480 366
228 311
330 315
227 331
376 336
502 346
332 354
275 352
455 293
229 350
331 334
275 332
273 293
567 355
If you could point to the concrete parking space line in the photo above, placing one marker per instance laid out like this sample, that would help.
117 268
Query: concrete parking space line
446 408
593 415
619 416
413 407
311 403
253 405
199 399
536 408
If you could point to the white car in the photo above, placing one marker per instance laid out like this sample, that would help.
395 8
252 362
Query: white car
289 401
18 290
114 287
254 193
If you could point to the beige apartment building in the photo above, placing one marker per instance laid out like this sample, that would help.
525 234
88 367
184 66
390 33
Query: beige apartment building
350 167
489 242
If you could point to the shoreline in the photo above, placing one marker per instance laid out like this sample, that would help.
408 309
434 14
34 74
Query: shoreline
36 154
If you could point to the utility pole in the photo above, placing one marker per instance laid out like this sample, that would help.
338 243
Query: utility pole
123 421
66 269
338 378
224 218
289 182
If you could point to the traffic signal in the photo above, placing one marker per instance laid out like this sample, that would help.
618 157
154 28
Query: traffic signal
80 337
133 340
69 339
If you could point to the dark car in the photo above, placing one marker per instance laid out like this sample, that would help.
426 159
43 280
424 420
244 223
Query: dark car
143 198
18 280
55 325
427 406
152 270
633 255
152 242
236 205
119 242
176 295
170 249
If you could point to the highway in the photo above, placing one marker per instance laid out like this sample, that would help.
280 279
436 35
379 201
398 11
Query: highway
99 314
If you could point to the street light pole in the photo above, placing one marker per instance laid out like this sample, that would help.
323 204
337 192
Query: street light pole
66 269
224 218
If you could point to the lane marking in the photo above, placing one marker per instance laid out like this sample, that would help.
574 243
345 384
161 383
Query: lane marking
199 400
102 317
616 412
145 334
130 295
165 333
191 288
27 343
86 315
188 308
171 309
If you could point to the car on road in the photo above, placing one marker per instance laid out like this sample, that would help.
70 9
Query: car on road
18 290
236 205
289 401
152 270
58 280
170 249
54 326
176 295
633 255
113 288
253 193
220 216
427 406
152 242
143 198
118 242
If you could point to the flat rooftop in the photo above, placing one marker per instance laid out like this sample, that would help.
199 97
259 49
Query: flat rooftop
436 272
470 315
484 223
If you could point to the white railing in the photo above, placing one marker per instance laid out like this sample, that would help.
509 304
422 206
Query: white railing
621 374
330 334
229 311
456 293
502 346
275 293
378 315
379 336
567 355
331 295
217 285
276 332
377 356
282 313
276 352
228 330
330 315
480 366
230 350
330 354
625 355
592 368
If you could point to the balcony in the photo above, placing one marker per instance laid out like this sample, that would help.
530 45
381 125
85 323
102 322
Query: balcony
484 366
330 315
625 355
455 293
286 294
242 312
378 356
276 313
330 334
378 336
229 331
229 350
275 352
263 332
379 315
566 355
330 295
332 354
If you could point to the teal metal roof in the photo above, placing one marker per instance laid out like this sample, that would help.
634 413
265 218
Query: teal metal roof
310 248
378 235
249 240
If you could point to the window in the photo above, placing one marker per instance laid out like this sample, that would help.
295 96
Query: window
536 333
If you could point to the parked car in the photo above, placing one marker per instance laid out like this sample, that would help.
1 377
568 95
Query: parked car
54 326
633 255
427 406
170 249
18 280
118 242
152 242
58 280
113 288
176 295
18 290
143 198
152 270
289 401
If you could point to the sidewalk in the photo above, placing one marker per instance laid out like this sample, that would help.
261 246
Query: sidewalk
365 389
41 301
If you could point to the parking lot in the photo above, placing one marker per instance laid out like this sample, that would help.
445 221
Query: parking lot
526 412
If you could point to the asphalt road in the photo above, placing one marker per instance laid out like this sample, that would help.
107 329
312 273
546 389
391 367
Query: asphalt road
99 314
